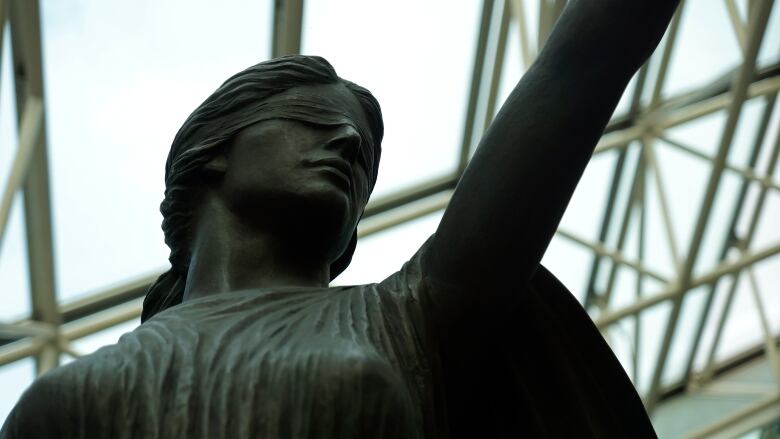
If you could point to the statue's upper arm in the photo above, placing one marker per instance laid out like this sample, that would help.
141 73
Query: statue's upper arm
37 412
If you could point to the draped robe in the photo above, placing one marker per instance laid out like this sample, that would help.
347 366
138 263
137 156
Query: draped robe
343 362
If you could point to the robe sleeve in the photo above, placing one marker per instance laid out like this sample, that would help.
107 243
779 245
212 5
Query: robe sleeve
540 369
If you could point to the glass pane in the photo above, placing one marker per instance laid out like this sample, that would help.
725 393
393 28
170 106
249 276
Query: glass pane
624 288
585 212
14 276
681 170
513 68
682 342
745 134
711 324
382 254
420 75
658 254
767 232
14 380
91 343
743 328
772 132
120 79
769 53
696 60
702 134
768 278
8 132
623 195
717 231
654 321
570 263
621 338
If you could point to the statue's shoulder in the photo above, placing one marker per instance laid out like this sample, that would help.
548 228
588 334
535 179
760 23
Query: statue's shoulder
42 408
81 394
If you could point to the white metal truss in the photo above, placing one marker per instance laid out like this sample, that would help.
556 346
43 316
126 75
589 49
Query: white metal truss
52 326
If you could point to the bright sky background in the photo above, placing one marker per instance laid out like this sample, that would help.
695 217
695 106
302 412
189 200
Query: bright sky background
121 76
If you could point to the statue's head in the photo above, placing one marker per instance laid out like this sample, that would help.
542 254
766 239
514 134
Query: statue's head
293 109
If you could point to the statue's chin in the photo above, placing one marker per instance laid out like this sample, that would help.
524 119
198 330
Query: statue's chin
324 218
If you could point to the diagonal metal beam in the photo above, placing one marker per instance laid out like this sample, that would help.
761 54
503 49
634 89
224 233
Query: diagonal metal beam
671 239
745 242
617 176
475 86
666 55
629 208
615 255
748 174
30 129
518 12
758 20
741 198
736 23
498 65
675 291
549 11
26 45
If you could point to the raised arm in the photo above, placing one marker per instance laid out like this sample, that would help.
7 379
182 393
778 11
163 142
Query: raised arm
513 194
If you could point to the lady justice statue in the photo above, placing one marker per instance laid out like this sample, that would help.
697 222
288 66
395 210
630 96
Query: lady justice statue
265 184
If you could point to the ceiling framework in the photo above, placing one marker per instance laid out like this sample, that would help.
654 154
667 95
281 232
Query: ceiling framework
632 137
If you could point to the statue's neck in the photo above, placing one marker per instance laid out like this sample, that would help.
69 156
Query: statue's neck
230 255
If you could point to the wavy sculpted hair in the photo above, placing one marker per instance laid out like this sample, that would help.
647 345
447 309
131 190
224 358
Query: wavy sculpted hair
232 107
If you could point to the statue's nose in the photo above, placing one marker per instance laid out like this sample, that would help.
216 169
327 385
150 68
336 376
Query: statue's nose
346 141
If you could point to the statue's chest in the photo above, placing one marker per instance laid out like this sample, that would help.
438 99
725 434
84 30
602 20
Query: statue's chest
292 369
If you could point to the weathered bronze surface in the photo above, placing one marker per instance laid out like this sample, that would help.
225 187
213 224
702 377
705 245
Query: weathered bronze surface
265 184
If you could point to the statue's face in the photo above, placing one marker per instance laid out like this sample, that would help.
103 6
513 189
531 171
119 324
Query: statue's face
307 176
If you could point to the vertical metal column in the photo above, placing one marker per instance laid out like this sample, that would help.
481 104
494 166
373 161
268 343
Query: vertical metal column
288 21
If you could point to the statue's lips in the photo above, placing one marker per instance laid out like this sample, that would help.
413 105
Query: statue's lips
336 167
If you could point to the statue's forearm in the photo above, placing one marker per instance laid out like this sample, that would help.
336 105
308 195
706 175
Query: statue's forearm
614 35
513 194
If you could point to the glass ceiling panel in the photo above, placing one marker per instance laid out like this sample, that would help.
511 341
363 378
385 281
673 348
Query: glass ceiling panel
15 377
717 232
8 131
420 74
682 342
14 275
745 135
743 327
695 60
585 211
773 130
382 254
711 323
685 180
767 230
702 134
624 288
622 197
91 343
120 79
769 53
513 68
569 262
768 278
650 342
621 338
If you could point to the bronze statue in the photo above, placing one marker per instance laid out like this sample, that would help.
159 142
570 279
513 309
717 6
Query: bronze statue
265 184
